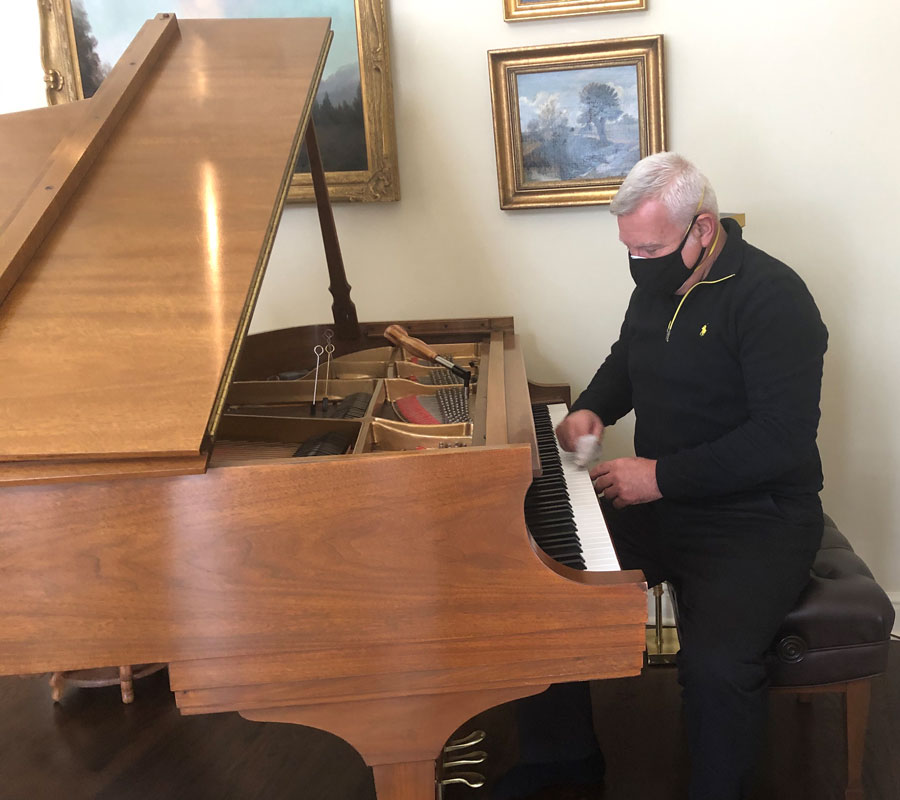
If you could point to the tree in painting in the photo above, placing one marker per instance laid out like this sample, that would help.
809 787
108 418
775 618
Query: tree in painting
92 69
601 103
341 132
548 136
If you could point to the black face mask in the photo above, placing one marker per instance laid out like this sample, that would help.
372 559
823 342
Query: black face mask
664 274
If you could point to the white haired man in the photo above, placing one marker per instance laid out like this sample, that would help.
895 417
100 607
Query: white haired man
720 357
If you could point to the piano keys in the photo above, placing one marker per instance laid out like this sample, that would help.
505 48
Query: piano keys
561 507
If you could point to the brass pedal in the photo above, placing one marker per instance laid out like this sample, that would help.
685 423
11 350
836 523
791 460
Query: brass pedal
466 759
459 753
475 737
473 780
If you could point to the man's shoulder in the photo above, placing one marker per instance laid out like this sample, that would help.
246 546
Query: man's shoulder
771 295
762 272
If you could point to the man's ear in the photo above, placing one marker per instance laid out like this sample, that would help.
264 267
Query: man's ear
706 227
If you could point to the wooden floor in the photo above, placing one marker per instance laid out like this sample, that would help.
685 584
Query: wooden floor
91 747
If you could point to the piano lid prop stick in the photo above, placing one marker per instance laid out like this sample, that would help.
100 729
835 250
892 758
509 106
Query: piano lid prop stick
318 350
399 337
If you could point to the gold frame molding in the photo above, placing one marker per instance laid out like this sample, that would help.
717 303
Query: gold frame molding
643 52
518 10
378 183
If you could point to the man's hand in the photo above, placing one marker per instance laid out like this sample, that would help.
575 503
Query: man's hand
627 481
578 423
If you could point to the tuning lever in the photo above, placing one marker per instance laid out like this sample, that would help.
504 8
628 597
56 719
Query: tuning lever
399 337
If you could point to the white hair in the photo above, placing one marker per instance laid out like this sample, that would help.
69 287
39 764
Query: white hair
671 179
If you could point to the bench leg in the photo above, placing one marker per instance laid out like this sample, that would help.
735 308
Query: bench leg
126 683
857 706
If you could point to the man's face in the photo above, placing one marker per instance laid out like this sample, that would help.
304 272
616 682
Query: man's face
649 231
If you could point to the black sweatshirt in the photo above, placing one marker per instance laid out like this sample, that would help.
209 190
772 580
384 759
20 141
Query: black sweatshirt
727 398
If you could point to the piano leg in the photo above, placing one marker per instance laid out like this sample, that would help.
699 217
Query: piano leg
410 781
399 737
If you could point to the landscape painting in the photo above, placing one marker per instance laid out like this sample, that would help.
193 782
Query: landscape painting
578 124
571 120
353 111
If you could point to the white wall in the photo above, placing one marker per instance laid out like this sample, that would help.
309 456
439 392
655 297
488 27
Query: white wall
790 108
22 84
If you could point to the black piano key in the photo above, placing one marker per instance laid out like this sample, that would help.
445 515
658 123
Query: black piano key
548 509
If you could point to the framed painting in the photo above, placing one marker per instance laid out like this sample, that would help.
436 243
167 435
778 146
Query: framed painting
570 120
517 10
354 107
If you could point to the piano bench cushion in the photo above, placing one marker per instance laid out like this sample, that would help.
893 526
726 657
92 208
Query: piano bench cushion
841 626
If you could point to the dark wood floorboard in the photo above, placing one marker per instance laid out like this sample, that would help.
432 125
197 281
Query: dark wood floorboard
91 747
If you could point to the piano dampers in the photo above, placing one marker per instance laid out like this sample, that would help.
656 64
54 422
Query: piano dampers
353 406
333 443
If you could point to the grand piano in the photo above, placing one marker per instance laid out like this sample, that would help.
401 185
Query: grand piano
151 505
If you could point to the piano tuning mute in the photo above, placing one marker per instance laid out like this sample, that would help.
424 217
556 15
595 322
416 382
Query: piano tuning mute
328 349
318 350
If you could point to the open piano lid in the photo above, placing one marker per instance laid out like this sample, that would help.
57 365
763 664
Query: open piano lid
120 333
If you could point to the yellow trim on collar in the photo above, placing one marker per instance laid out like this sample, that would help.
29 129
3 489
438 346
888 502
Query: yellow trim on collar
699 283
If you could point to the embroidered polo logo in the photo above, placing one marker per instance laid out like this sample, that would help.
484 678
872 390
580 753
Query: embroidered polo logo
703 331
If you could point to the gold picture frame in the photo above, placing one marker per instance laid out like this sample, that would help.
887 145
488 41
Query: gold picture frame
570 120
378 183
519 10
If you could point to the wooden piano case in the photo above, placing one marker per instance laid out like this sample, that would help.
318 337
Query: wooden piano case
385 595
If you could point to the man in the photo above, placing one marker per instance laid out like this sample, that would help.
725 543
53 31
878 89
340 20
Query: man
720 357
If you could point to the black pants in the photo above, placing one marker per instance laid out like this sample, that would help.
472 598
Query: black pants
737 567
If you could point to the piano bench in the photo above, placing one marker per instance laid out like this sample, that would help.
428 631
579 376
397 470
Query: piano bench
836 640
124 677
